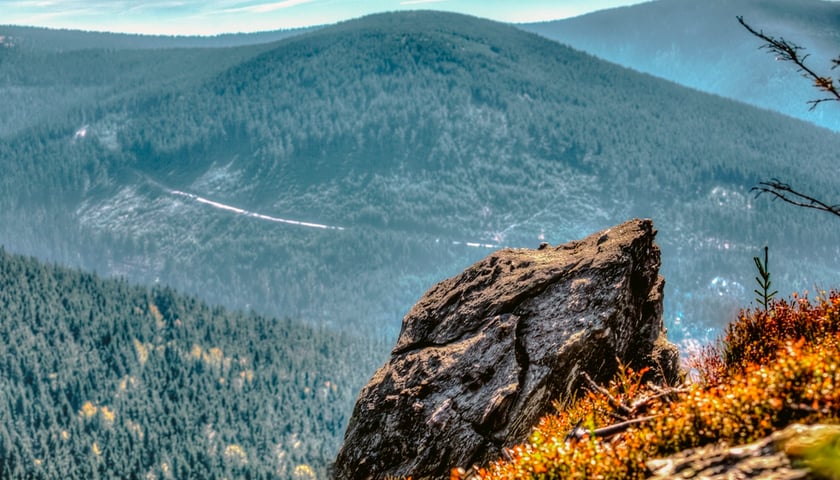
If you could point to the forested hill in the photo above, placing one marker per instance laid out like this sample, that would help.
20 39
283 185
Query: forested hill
404 146
46 87
701 45
102 379
46 39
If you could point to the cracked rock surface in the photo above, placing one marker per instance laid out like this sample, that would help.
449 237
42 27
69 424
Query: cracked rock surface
482 356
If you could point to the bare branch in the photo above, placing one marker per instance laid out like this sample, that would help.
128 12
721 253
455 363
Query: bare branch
643 403
790 52
814 103
578 433
787 194
614 402
629 415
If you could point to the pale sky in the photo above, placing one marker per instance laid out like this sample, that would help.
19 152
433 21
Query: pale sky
210 17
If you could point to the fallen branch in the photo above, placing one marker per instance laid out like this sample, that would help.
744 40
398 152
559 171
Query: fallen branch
629 414
578 433
614 402
625 412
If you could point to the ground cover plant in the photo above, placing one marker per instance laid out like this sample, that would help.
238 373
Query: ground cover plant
772 368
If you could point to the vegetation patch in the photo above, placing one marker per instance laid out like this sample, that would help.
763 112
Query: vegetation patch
772 368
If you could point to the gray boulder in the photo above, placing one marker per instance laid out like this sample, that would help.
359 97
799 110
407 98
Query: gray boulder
482 356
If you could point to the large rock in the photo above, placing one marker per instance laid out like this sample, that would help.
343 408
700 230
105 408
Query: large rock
482 356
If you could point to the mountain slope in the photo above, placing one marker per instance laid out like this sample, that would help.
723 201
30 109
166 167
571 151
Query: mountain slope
42 85
701 45
420 141
103 379
46 73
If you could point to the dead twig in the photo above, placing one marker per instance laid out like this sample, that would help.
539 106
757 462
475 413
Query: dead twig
614 402
579 433
786 193
790 52
628 414
624 411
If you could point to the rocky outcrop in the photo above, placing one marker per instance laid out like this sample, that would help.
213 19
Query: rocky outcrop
798 452
482 356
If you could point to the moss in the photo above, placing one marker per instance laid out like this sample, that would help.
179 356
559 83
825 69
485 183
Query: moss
817 448
776 368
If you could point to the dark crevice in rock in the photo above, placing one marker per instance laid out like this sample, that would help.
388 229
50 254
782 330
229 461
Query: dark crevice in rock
521 352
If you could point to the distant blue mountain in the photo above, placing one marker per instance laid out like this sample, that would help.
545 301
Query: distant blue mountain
701 45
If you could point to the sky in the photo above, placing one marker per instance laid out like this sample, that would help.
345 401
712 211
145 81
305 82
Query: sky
211 17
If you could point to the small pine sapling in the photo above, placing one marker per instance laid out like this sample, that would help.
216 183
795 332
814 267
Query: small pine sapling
763 296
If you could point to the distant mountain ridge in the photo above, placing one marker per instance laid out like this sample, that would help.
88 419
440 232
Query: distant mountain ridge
47 39
701 45
428 137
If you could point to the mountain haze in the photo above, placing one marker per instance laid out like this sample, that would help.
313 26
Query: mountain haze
409 145
701 45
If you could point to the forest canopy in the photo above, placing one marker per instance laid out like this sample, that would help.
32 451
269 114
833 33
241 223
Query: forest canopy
102 379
